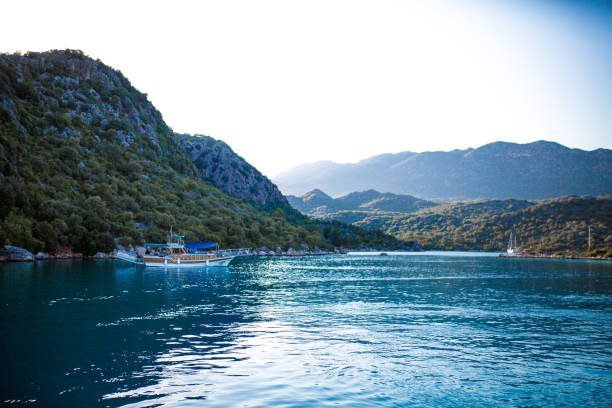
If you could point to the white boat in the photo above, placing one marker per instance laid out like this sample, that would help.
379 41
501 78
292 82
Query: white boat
512 249
176 255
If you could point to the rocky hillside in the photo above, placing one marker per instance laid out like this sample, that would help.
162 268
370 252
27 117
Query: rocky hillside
498 170
66 95
217 163
317 203
86 162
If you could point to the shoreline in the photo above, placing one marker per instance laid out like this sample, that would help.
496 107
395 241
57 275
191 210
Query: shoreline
258 254
562 257
30 258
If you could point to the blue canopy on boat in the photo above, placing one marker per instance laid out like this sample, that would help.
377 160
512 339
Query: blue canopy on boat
200 245
156 245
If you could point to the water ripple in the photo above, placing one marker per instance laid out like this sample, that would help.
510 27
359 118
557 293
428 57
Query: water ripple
355 331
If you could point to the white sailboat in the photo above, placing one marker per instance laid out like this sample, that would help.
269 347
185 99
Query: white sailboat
512 249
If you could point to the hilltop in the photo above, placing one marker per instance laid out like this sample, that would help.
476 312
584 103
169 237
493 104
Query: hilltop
497 170
317 203
87 162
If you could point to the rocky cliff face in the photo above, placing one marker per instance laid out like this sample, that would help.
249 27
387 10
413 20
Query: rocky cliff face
216 162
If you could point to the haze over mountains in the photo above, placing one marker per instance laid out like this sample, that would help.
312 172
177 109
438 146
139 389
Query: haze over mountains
536 170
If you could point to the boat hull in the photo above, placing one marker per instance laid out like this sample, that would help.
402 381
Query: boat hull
182 263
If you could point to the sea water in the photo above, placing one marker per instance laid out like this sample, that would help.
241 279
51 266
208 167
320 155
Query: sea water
426 330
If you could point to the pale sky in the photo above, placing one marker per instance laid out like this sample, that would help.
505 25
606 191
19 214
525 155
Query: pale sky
289 82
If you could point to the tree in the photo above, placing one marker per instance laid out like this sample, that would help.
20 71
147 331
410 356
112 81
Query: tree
45 232
164 221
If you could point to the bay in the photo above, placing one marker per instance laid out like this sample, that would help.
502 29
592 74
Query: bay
359 330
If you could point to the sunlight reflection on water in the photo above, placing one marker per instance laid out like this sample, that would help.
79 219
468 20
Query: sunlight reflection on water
336 330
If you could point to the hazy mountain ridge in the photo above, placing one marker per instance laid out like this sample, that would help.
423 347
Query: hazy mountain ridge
317 203
85 159
536 170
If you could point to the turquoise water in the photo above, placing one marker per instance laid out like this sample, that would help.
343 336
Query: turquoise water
353 331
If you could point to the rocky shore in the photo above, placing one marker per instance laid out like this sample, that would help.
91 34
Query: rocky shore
15 254
294 252
10 253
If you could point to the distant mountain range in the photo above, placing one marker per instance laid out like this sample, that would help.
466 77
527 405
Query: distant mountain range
536 170
317 203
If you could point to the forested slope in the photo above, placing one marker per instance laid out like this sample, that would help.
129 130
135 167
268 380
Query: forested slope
546 226
86 162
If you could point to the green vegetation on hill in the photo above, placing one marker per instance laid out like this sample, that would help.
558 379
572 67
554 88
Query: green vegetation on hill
85 159
548 226
317 203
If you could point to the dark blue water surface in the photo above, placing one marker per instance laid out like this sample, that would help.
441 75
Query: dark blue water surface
353 331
